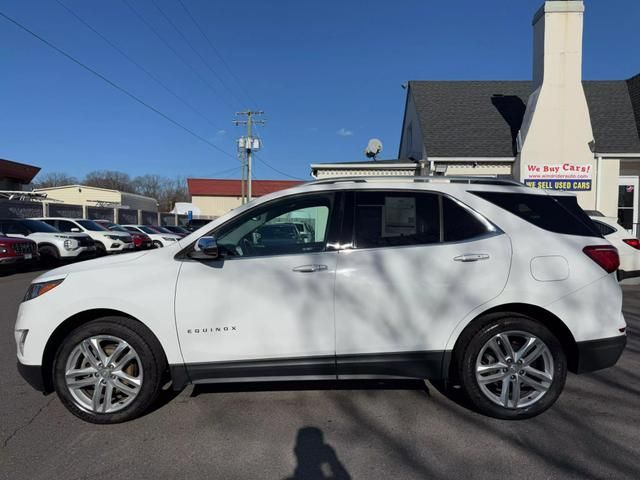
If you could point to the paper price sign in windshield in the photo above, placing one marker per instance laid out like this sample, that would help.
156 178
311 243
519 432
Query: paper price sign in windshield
565 176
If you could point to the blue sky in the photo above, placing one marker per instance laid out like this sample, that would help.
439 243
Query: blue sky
328 75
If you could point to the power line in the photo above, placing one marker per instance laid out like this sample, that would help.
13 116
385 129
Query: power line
134 62
217 52
264 162
115 85
204 61
177 54
228 170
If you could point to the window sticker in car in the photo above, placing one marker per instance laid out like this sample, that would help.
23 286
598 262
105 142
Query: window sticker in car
399 216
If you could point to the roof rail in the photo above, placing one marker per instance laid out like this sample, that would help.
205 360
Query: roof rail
329 181
411 178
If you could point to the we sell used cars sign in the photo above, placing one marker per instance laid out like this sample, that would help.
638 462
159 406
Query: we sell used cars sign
566 176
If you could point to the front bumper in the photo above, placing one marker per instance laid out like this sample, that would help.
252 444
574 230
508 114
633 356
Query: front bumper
11 260
33 376
598 354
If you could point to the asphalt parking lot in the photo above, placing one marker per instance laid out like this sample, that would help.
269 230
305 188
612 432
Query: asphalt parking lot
359 430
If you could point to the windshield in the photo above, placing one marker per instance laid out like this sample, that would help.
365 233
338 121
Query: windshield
38 226
117 228
91 225
146 229
161 229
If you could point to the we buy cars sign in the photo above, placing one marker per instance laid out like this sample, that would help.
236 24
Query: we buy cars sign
566 176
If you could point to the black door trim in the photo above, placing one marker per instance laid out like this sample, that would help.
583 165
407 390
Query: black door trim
430 365
422 364
279 367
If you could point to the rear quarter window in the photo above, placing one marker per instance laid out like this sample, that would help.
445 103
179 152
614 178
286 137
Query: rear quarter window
460 224
558 214
604 228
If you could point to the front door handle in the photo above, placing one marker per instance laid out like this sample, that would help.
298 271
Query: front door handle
471 257
310 268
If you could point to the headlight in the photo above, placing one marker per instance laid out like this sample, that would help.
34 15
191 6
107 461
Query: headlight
70 244
62 236
113 237
169 239
37 289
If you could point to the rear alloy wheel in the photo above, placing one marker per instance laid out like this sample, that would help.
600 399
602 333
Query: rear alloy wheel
512 367
107 372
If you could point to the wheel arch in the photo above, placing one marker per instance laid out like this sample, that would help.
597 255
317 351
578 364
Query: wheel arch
539 314
49 245
73 322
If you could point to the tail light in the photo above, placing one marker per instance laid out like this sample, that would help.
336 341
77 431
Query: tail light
632 242
604 255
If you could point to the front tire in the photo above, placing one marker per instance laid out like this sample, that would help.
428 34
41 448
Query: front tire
510 366
49 255
106 371
157 244
101 250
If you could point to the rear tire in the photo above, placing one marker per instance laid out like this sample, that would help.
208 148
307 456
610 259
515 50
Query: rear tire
510 366
108 370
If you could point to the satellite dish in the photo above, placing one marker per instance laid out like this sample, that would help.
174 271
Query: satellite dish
374 147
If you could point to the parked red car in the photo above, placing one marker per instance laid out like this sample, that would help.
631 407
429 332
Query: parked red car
15 251
140 240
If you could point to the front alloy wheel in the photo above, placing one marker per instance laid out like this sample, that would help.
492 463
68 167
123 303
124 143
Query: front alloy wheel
109 370
104 374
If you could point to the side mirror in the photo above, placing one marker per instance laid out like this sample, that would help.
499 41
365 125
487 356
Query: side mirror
206 248
75 229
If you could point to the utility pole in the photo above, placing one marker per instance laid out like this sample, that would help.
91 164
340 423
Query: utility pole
246 145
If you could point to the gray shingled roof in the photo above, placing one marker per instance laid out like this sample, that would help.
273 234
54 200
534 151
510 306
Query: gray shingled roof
482 118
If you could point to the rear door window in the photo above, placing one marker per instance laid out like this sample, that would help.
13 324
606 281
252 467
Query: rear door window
390 219
555 213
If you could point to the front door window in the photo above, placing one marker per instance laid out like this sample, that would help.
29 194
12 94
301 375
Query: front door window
286 228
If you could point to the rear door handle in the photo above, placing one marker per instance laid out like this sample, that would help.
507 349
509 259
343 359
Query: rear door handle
310 268
471 257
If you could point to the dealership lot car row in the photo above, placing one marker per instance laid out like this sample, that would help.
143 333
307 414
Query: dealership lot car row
482 283
49 239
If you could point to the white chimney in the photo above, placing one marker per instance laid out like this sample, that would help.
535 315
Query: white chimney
556 129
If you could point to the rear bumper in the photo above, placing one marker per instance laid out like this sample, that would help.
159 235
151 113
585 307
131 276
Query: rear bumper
33 376
598 354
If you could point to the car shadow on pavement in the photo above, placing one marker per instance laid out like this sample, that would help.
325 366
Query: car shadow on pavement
166 396
316 459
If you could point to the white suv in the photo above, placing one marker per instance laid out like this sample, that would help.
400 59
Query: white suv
106 240
158 239
53 245
484 283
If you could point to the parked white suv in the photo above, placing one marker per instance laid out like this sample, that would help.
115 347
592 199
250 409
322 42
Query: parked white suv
628 245
106 240
158 240
52 244
484 283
